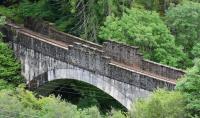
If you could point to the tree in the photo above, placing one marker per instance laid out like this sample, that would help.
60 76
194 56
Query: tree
21 103
5 85
90 14
183 20
78 17
9 66
195 0
157 5
161 104
8 2
196 50
190 86
145 29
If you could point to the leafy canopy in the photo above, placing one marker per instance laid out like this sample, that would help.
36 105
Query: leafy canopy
9 66
144 29
183 20
161 104
21 103
190 86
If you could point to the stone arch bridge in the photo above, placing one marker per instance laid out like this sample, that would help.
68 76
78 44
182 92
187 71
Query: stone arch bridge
117 69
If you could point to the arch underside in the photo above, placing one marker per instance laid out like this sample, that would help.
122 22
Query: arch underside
122 92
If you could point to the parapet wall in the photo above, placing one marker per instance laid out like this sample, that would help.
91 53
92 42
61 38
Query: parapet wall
37 26
138 79
131 56
119 52
42 46
123 53
46 29
78 54
162 70
88 58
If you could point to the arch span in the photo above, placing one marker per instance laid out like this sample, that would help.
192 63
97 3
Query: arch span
80 93
122 92
38 68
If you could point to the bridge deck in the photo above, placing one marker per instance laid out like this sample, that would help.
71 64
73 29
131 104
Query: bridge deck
65 45
44 38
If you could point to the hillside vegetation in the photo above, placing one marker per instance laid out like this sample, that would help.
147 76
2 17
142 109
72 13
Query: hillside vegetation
167 31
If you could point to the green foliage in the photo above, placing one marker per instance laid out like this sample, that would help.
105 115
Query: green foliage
117 114
157 5
85 95
2 22
5 11
79 17
20 103
144 29
9 66
196 50
10 13
8 2
12 107
131 26
195 0
190 86
161 104
34 9
183 20
5 85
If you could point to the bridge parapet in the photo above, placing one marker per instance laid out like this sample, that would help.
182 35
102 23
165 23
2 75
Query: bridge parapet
163 70
86 57
131 56
94 60
10 31
138 79
47 29
89 58
78 54
123 53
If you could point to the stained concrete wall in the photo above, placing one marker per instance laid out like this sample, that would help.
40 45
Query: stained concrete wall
163 70
39 69
119 52
90 59
47 29
123 53
43 61
131 56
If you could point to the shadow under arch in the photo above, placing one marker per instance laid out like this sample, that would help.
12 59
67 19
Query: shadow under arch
112 87
80 93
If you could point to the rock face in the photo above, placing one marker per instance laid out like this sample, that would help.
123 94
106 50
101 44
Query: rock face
117 69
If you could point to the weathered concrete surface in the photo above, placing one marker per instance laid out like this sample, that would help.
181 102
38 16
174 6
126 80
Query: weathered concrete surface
119 52
39 69
44 59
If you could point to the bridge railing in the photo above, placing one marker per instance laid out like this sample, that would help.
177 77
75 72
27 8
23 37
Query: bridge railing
138 79
131 56
47 29
123 53
163 70
88 58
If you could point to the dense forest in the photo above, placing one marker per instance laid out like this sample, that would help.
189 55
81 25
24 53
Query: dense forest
166 31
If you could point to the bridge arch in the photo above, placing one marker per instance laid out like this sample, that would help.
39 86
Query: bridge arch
110 86
80 93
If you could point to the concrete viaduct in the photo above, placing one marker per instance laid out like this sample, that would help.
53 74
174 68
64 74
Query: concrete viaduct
117 69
